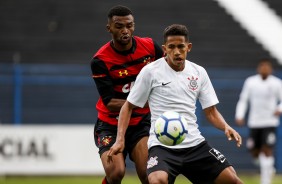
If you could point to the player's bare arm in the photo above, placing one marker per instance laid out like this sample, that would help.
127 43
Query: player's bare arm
115 104
278 113
240 122
217 120
123 121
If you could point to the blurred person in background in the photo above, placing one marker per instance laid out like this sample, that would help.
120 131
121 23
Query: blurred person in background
262 95
114 68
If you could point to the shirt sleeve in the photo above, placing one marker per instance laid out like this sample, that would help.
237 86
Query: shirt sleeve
102 80
207 96
242 105
141 89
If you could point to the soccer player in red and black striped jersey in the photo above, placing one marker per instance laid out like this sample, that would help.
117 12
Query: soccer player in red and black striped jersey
115 67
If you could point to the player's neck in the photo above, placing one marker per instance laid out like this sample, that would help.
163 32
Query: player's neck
120 47
264 77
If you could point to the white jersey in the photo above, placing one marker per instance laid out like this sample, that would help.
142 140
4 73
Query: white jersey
165 89
263 96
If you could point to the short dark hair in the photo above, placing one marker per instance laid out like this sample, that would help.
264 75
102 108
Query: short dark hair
265 60
176 30
119 10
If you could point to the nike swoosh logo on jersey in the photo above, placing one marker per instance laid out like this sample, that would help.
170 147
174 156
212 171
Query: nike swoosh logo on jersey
164 84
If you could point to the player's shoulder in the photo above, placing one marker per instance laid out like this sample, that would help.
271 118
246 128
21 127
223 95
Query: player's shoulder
275 78
253 77
143 39
104 50
275 81
252 80
196 67
146 41
155 65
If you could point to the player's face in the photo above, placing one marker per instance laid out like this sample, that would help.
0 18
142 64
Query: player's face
264 69
176 49
121 28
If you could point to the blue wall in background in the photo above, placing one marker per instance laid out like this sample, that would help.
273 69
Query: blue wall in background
66 94
47 94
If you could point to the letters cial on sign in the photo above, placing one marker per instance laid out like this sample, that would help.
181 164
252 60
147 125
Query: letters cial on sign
24 148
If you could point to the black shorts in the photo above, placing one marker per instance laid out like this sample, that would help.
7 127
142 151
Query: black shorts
261 136
105 135
200 164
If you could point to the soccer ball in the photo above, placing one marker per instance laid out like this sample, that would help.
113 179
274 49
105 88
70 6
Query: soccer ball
171 128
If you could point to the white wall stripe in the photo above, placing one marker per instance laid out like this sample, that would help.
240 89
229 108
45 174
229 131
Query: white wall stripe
260 21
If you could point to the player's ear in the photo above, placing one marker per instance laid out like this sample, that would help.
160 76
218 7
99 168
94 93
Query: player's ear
164 48
189 47
108 28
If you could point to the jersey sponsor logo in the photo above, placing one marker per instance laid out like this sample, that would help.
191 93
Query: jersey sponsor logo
152 162
147 60
165 83
193 83
124 72
217 155
127 87
106 140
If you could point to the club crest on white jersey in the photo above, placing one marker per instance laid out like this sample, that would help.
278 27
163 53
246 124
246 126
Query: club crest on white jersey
193 83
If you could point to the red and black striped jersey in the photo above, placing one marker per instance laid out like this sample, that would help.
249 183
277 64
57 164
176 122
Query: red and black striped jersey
114 73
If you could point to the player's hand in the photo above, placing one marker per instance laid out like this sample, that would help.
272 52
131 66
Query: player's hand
277 113
231 134
116 148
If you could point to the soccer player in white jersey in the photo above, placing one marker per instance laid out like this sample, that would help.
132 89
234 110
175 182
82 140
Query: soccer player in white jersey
174 83
263 93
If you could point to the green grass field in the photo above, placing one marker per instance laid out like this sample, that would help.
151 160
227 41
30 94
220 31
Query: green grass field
129 179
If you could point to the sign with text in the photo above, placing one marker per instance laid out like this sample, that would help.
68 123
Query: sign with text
48 149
